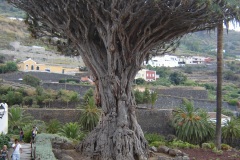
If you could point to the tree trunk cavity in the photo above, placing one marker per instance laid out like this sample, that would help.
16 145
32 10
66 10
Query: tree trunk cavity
118 134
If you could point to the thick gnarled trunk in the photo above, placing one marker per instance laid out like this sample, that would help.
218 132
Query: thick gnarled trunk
118 135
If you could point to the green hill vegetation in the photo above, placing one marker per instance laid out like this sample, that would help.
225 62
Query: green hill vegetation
10 11
200 43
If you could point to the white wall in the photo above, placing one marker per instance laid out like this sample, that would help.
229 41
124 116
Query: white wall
4 120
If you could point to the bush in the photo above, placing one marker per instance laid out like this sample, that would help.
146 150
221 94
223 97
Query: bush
153 137
157 144
44 146
177 78
140 81
161 81
233 102
4 139
225 147
31 80
138 96
181 144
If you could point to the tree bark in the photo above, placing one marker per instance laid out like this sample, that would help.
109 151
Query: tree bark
118 135
219 84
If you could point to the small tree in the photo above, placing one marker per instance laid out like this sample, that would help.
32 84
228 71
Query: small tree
153 97
177 78
31 80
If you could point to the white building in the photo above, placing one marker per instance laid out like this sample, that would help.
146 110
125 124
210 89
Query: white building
194 60
164 61
3 118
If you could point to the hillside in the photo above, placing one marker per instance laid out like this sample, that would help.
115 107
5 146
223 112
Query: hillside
200 43
204 43
9 10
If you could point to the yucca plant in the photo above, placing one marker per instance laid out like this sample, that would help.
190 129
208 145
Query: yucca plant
53 126
90 115
191 124
70 130
231 131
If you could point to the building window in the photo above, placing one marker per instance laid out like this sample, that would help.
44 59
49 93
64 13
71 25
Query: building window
32 67
38 68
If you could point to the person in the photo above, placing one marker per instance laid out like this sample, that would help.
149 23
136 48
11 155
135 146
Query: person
4 153
33 134
21 135
17 149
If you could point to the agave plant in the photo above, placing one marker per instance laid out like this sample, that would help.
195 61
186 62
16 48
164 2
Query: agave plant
191 124
70 130
18 118
231 131
90 115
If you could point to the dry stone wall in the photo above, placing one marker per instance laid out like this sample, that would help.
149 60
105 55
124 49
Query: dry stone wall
151 121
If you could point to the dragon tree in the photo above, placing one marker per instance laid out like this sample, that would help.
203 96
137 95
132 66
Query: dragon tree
114 37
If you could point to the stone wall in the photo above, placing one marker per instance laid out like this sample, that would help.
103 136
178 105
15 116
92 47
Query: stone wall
170 102
151 121
188 92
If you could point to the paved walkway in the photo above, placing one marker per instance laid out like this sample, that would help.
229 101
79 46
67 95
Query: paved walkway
26 154
26 151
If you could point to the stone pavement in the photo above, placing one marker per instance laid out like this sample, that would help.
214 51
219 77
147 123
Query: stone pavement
26 151
26 154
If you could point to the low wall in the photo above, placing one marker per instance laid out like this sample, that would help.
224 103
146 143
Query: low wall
151 121
171 102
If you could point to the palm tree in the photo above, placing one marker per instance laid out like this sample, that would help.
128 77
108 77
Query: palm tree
219 83
192 124
231 131
53 126
90 115
18 118
70 130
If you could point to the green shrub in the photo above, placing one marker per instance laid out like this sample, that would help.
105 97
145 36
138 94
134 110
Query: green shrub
162 82
233 102
181 144
31 80
208 145
138 96
44 146
157 143
140 81
4 139
89 93
225 147
153 137
177 78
